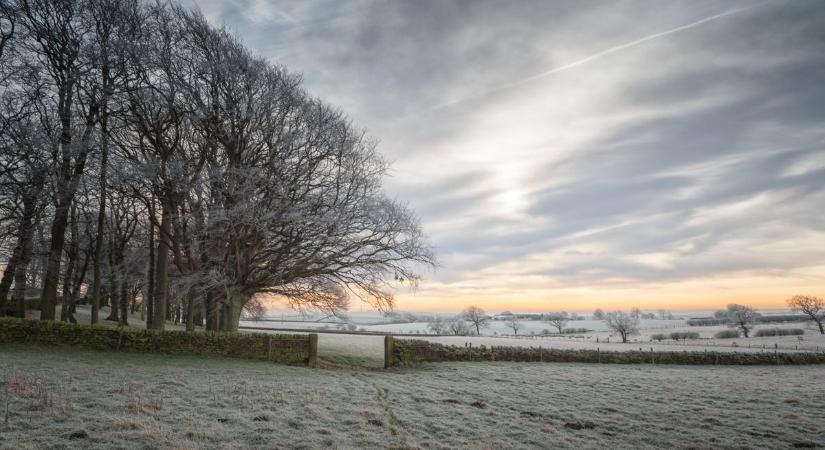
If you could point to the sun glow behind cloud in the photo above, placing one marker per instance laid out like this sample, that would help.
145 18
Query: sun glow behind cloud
568 158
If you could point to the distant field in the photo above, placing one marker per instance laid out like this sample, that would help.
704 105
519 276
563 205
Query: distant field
495 328
366 348
93 400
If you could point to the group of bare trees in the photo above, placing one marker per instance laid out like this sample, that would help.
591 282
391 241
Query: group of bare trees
149 161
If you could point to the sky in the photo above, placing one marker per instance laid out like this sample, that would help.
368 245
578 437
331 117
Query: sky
568 155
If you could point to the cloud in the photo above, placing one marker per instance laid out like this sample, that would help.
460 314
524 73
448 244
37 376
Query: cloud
676 144
594 56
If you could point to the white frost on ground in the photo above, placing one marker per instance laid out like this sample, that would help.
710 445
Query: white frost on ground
100 400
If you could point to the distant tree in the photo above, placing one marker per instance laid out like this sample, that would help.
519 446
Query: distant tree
814 307
515 324
457 326
254 309
623 323
558 320
438 325
741 316
637 313
477 317
598 314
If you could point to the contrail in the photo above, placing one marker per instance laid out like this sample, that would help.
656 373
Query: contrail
592 57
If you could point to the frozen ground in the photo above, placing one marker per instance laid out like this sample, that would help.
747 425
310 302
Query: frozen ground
63 398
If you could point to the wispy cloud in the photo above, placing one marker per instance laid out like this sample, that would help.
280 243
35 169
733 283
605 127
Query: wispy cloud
685 170
588 59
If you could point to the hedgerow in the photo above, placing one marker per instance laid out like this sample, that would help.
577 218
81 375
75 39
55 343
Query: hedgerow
779 332
270 347
408 351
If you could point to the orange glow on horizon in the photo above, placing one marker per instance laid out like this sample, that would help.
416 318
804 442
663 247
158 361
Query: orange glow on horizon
762 291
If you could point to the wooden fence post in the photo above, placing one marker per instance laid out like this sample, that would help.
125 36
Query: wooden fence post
313 350
388 357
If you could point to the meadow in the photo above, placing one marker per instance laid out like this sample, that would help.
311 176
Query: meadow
67 398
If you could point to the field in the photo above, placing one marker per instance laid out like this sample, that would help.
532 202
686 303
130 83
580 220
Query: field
63 398
368 350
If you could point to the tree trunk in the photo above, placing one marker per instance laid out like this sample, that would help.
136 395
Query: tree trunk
101 217
67 187
212 311
48 299
124 298
114 285
819 323
8 277
190 313
25 241
223 316
19 294
198 320
75 290
133 304
67 282
162 270
71 261
236 304
147 306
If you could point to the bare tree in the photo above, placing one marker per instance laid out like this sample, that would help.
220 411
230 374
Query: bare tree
514 323
477 317
598 314
623 323
254 309
558 320
458 326
814 307
437 325
61 40
741 316
25 143
247 184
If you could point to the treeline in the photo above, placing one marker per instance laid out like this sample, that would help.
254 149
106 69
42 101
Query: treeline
778 318
149 160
